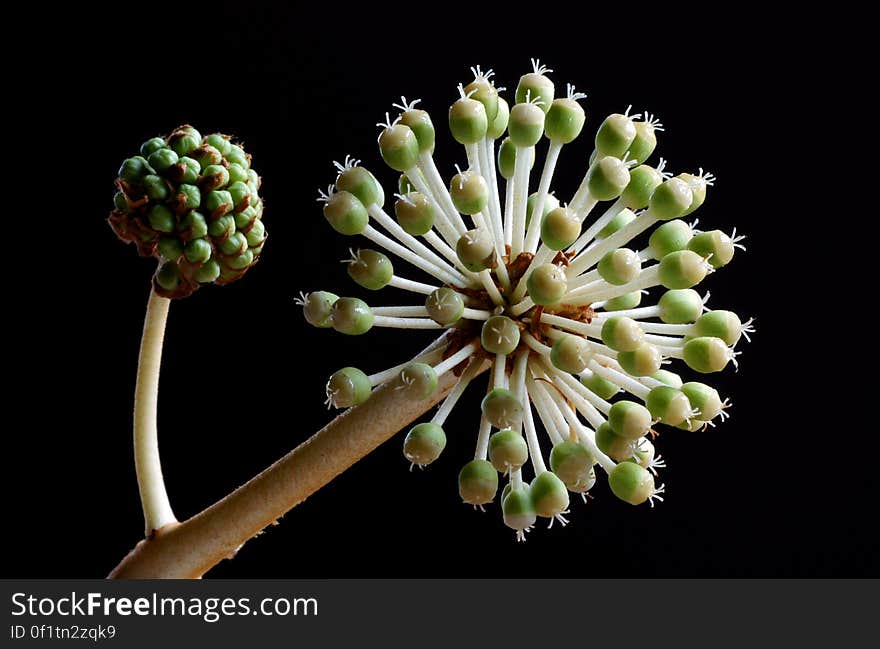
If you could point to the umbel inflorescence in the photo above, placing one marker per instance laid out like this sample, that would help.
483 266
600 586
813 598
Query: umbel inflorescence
549 295
194 204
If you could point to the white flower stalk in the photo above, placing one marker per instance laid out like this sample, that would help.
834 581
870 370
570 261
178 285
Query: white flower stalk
548 294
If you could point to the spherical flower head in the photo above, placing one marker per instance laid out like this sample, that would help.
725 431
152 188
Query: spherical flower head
168 196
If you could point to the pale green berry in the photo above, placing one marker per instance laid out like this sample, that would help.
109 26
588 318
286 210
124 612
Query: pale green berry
629 419
502 408
667 378
415 213
499 335
317 308
550 204
193 225
482 90
669 237
477 482
363 185
549 495
573 463
168 276
346 214
348 387
214 177
622 334
617 222
518 510
560 228
188 170
601 387
631 483
219 141
715 245
682 269
469 192
643 361
218 203
151 146
189 196
719 324
565 120
419 122
370 269
206 155
418 381
424 443
198 251
607 178
620 266
508 450
351 316
623 302
237 173
222 228
547 284
498 126
445 306
671 199
242 261
155 187
237 155
535 87
613 445
234 244
706 354
161 219
615 135
170 248
698 188
256 235
643 181
507 158
207 272
241 194
669 405
704 399
643 452
570 353
468 121
162 160
680 306
476 250
399 147
526 125
644 143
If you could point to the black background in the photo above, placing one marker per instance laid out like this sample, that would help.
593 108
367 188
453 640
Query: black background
763 495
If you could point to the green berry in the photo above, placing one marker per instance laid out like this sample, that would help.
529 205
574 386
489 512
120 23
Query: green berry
619 267
404 185
162 160
518 510
419 122
549 495
682 269
629 419
351 316
698 188
155 187
370 269
120 202
170 248
445 306
151 146
482 90
218 202
643 361
477 482
161 219
601 387
607 178
613 445
193 225
346 214
570 353
424 443
508 450
220 142
168 276
499 335
560 228
643 181
469 192
617 222
704 399
547 284
631 483
615 135
725 325
237 155
498 126
234 244
133 169
550 204
671 199
669 405
573 463
706 354
643 453
623 302
468 121
680 306
418 380
256 235
188 196
415 213
188 170
667 378
222 228
535 87
526 125
644 143
237 174
507 158
476 250
363 185
183 143
502 408
399 147
622 334
348 387
317 308
206 155
207 272
214 177
715 245
669 237
198 251
565 120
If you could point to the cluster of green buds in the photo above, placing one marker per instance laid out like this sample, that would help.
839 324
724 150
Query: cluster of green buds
549 296
194 204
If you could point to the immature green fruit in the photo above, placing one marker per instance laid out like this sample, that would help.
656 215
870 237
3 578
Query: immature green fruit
476 250
706 354
170 248
669 405
499 335
669 237
680 306
351 316
404 185
220 142
214 177
477 482
620 266
317 308
518 510
547 284
151 146
549 495
469 192
399 147
623 302
468 121
615 446
198 251
615 135
415 213
671 199
631 483
725 325
508 450
643 361
537 88
424 443
370 269
643 181
482 90
346 214
622 334
133 169
570 353
667 378
168 276
445 306
704 399
348 387
419 122
715 245
155 187
502 408
617 222
565 120
573 463
629 419
362 185
607 178
644 143
550 204
498 126
698 188
526 125
162 160
601 387
560 228
682 269
418 381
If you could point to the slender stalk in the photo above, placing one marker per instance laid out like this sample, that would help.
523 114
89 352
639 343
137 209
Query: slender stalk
154 498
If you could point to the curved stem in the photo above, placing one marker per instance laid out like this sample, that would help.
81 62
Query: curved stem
191 548
154 498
